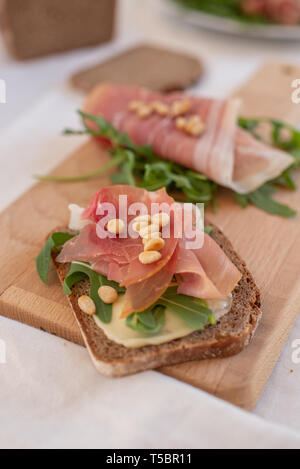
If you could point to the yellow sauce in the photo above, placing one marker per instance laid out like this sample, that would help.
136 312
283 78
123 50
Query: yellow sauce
174 327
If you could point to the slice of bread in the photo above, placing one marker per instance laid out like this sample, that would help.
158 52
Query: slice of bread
146 65
232 333
33 28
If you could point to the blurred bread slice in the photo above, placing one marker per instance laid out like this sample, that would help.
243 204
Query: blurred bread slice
145 65
32 28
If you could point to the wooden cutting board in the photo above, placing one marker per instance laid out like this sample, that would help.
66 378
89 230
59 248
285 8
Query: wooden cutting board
269 244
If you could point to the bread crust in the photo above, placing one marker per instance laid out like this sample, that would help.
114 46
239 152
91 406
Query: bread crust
232 333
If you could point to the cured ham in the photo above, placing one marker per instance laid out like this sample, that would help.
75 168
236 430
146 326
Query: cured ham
204 272
123 252
111 195
88 247
135 270
228 155
281 11
150 289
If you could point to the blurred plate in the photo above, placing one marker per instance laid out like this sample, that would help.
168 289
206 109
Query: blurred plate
229 26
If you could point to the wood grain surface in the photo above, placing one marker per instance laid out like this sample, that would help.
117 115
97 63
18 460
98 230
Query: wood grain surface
270 245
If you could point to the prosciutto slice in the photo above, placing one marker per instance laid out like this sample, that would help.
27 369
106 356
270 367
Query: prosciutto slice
135 271
151 289
88 247
204 272
228 155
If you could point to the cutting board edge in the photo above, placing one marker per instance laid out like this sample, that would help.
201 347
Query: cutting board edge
15 303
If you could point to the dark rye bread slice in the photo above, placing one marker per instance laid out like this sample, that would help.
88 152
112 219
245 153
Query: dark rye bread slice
145 65
232 333
33 28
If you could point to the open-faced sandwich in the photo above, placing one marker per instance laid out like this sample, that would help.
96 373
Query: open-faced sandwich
149 285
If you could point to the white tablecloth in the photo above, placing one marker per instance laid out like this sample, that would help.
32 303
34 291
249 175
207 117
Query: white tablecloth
50 394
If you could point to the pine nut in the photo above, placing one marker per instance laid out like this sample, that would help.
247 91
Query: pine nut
144 110
86 305
115 226
141 222
151 235
194 120
160 108
180 107
196 129
138 226
181 123
149 231
135 105
107 294
195 126
161 219
148 257
143 218
154 244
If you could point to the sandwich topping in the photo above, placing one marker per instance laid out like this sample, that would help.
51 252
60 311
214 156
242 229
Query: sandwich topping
199 133
174 326
151 279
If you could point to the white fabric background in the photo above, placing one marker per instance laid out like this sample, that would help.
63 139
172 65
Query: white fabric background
50 395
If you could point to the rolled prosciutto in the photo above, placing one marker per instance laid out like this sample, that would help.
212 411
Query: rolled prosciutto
219 149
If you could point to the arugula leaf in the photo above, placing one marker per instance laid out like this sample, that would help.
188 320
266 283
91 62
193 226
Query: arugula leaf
107 130
80 270
127 165
261 197
116 160
55 241
193 311
248 124
208 229
241 199
262 200
71 279
156 175
285 180
149 321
